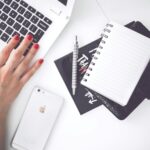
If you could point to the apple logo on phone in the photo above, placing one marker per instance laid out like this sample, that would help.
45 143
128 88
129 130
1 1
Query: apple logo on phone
42 109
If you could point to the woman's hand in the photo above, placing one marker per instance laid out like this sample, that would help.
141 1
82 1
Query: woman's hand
15 70
14 73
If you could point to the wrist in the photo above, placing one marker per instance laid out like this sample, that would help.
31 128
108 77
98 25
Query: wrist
3 118
3 115
3 111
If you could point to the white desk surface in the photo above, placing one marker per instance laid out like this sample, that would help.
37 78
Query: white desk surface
97 129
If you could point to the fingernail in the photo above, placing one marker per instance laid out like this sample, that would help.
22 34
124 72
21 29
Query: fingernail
29 37
36 46
16 37
41 61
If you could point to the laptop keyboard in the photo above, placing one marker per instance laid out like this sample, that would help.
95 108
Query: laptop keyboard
18 17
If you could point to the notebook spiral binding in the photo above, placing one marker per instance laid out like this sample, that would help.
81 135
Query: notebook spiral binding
104 36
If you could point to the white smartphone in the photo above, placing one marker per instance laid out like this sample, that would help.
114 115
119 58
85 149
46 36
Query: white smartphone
38 120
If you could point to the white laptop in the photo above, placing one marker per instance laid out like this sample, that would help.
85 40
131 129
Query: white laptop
44 19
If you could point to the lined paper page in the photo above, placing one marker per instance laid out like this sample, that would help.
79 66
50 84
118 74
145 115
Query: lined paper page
120 65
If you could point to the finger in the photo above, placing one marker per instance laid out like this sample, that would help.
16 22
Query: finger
31 71
22 67
5 53
18 54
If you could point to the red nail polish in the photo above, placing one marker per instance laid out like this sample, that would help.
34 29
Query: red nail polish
41 61
16 37
36 46
29 37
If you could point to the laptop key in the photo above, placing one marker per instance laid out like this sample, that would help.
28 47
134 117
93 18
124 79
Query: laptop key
1 5
40 15
27 14
21 39
3 17
6 9
10 21
3 26
23 31
47 20
23 3
17 26
20 19
13 14
9 30
21 10
1 32
34 19
4 37
14 5
35 37
7 1
31 9
26 23
33 28
17 0
38 35
43 25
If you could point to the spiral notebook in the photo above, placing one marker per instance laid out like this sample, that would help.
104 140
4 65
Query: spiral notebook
141 91
118 64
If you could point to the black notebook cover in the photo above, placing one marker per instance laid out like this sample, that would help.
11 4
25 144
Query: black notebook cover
86 99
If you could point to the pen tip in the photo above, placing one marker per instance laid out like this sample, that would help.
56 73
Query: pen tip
73 91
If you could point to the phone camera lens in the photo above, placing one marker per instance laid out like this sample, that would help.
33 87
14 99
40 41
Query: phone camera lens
38 90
